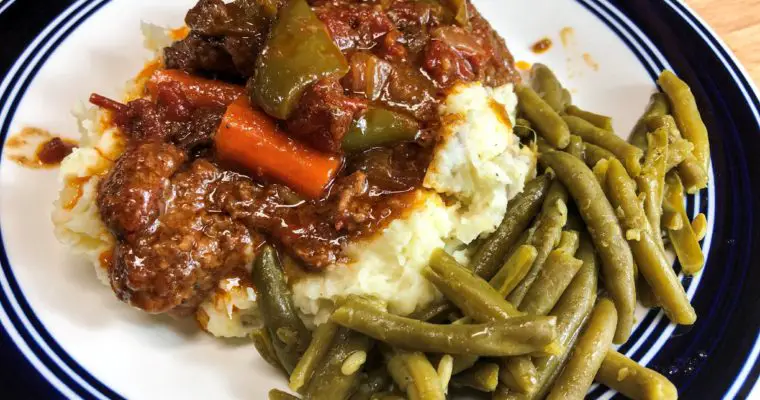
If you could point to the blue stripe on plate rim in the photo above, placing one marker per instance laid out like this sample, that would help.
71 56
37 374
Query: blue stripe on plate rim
5 4
73 381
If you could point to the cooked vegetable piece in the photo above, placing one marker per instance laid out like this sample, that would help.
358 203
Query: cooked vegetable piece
546 85
299 51
684 240
263 343
474 296
482 377
277 309
644 293
617 260
575 147
515 336
415 375
514 270
518 374
376 381
199 91
600 121
592 154
694 176
620 373
521 210
686 114
557 273
569 242
330 380
699 226
600 172
547 234
658 106
629 154
588 353
651 181
650 258
445 370
379 127
251 139
313 357
523 128
276 394
462 12
547 122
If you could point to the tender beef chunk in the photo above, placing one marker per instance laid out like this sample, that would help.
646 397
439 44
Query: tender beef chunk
199 54
198 131
244 51
500 67
409 91
324 115
130 197
355 26
415 19
175 266
368 75
454 55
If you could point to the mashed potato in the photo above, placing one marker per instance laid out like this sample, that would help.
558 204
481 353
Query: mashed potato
477 167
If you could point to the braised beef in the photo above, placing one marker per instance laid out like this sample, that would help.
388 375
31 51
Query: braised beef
356 26
324 115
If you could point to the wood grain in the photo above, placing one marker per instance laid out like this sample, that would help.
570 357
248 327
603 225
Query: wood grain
738 24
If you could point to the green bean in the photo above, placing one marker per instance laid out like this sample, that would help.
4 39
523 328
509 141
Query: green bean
600 172
545 120
315 353
571 311
518 374
547 234
514 270
482 377
523 128
263 343
277 309
557 273
540 145
600 121
634 381
699 226
684 240
330 381
474 296
434 311
629 154
686 114
658 106
460 362
592 154
546 85
588 354
276 394
617 261
375 382
575 147
567 98
651 181
421 380
693 174
650 258
644 293
569 242
515 336
445 370
521 210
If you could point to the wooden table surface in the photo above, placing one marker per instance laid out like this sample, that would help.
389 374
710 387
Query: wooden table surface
738 24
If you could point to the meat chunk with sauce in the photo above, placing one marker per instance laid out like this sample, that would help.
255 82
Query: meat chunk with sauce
356 26
131 196
173 268
324 115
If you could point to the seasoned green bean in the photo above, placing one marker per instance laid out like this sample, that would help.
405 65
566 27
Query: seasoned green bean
644 293
515 336
434 311
482 377
276 394
592 154
600 172
650 258
445 370
684 240
546 85
376 381
331 380
617 260
543 118
575 147
699 226
569 242
634 381
518 374
521 210
547 234
686 114
588 354
651 181
514 270
629 154
423 382
314 355
567 98
693 174
474 296
658 106
523 128
600 121
263 343
557 273
278 311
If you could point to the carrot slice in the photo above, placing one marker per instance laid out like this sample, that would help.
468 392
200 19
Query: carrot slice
200 91
250 138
